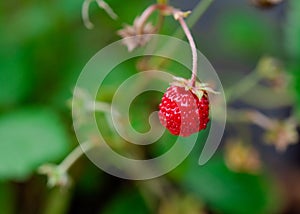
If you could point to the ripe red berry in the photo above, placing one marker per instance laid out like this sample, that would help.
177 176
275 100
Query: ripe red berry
182 112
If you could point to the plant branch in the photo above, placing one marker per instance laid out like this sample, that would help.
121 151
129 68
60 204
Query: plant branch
75 155
85 12
243 86
251 116
99 106
197 13
145 16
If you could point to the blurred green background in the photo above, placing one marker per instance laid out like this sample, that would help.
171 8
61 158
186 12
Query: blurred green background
43 48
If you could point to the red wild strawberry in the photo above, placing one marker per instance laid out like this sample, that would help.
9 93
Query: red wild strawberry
182 112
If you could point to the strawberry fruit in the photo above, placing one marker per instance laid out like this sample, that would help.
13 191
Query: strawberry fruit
183 112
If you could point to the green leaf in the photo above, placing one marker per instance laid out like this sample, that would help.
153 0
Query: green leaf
292 29
29 138
242 34
292 44
15 81
227 192
29 22
126 203
6 198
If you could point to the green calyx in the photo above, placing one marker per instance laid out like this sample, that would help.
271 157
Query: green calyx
198 89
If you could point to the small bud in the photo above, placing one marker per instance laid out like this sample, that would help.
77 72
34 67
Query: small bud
56 176
269 67
282 134
180 14
272 70
129 32
241 157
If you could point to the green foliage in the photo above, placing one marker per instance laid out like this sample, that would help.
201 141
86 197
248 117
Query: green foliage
57 201
242 34
126 203
14 80
292 44
6 198
229 192
29 138
292 30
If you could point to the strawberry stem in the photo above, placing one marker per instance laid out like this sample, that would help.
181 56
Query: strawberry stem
145 15
178 15
193 48
148 12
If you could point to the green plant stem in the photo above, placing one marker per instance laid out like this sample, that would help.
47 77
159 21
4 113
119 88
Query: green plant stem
196 14
250 116
75 155
160 21
57 201
162 1
100 107
199 10
243 86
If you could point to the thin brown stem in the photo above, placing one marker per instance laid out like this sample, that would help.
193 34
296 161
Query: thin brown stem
162 8
179 15
193 48
145 16
260 119
251 116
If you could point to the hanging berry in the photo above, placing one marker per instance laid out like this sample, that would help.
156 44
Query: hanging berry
182 112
